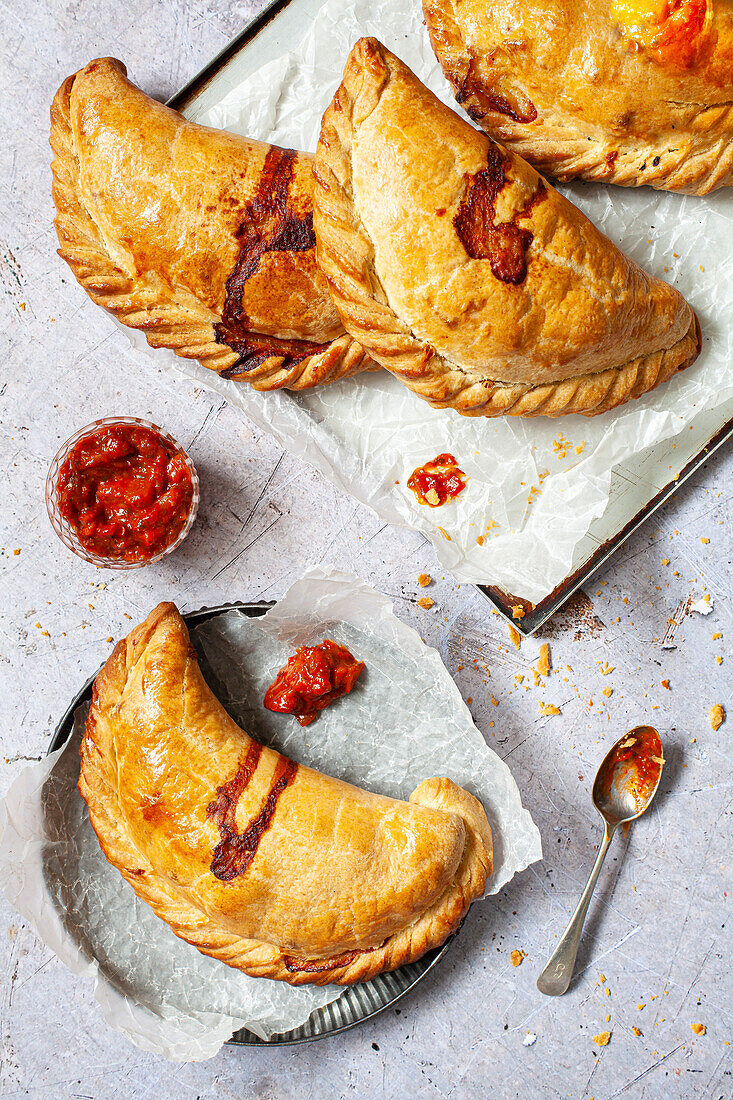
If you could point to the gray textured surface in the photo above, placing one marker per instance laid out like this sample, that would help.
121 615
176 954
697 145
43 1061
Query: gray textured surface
657 929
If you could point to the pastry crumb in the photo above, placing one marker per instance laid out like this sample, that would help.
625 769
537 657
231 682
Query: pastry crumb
544 666
560 446
480 540
636 1030
517 611
548 709
717 635
445 534
608 692
426 602
665 684
432 497
515 636
704 541
517 957
699 1029
602 1039
424 580
718 660
717 715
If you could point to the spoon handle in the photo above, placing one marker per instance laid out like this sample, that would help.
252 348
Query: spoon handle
555 978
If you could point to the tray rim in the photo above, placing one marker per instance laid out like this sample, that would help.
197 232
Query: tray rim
503 601
535 615
244 1037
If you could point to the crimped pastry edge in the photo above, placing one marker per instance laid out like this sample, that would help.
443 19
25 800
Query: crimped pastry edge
346 256
255 957
169 317
559 150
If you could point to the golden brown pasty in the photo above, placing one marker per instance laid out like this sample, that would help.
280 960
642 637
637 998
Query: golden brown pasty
626 91
466 274
256 860
201 239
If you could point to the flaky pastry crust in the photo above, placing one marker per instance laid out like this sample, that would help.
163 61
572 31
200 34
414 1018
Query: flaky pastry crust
199 238
258 861
598 90
466 274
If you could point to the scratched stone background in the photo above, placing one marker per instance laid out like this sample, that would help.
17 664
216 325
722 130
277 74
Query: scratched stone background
657 929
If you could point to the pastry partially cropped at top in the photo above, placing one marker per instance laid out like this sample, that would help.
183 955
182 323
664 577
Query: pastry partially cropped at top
254 859
625 91
466 274
201 239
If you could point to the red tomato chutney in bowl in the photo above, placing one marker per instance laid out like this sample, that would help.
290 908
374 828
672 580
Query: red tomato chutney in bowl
122 492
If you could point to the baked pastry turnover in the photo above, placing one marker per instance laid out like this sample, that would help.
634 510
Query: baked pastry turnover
254 859
466 274
201 239
626 91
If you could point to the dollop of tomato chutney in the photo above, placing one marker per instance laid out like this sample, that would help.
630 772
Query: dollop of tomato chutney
125 491
313 677
438 481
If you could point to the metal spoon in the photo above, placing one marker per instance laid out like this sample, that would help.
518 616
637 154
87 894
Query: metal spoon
626 782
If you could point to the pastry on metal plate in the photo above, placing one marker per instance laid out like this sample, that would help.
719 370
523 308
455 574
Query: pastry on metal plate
201 239
466 274
254 859
624 91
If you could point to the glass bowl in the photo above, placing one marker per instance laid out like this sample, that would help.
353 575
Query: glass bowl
66 532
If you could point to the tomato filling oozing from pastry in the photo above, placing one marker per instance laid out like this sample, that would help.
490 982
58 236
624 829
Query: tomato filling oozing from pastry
273 236
669 29
438 481
312 679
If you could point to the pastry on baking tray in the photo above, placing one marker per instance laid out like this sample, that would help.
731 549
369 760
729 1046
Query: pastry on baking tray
201 239
466 274
626 91
258 861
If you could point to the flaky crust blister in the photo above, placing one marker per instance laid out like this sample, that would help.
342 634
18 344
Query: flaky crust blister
202 911
346 254
560 84
169 313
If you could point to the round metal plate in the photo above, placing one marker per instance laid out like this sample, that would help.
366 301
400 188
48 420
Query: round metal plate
358 1002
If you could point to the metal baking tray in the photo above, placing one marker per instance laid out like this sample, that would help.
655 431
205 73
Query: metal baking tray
638 488
358 1002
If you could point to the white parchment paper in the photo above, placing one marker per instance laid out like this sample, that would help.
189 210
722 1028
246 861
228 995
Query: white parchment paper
536 485
404 721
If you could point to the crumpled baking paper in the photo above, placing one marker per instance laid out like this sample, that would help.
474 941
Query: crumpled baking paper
535 485
404 721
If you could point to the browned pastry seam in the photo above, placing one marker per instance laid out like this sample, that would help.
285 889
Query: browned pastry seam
692 155
169 316
346 256
99 786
